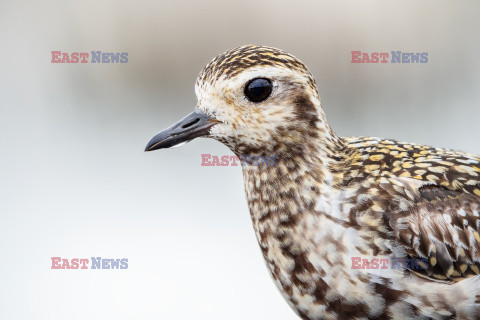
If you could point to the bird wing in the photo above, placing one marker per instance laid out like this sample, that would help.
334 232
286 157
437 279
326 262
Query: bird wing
439 230
440 233
430 199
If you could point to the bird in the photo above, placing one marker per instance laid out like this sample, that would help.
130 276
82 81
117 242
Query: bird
329 200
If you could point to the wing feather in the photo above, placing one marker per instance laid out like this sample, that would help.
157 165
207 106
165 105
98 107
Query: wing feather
442 227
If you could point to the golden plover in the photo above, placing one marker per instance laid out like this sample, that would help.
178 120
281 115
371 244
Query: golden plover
333 207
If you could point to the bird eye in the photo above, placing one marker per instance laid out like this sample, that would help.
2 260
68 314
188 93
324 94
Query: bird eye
258 89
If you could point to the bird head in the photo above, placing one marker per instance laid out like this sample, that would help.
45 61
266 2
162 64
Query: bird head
254 99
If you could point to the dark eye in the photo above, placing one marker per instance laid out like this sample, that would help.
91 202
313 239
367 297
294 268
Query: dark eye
258 89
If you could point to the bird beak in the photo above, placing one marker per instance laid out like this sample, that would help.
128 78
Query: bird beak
196 124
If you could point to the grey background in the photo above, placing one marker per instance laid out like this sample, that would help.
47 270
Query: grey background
75 181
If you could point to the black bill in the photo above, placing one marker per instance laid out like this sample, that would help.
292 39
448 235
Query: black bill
195 125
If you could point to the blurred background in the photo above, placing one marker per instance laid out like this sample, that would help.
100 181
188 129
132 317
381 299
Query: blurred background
76 183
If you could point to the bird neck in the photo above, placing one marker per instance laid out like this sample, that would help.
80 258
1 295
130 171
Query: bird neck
290 204
304 173
283 201
294 181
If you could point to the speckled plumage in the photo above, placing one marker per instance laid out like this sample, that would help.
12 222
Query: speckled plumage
382 199
332 198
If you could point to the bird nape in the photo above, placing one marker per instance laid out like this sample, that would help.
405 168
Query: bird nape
333 208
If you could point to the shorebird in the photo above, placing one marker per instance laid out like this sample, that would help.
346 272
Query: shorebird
330 200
